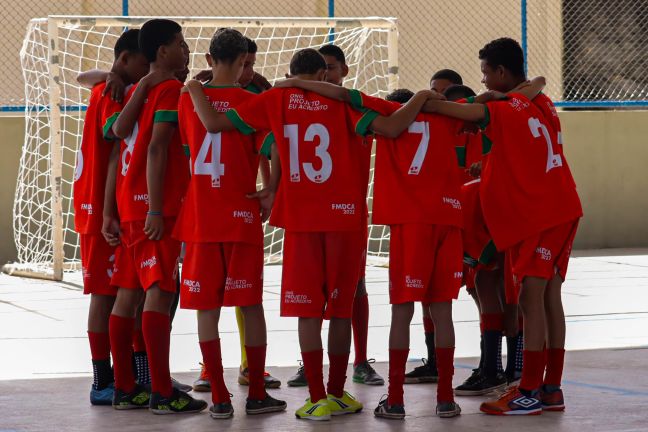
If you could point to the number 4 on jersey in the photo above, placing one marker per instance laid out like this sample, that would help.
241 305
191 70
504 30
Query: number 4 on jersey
214 168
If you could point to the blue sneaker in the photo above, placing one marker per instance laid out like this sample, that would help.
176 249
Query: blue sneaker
102 397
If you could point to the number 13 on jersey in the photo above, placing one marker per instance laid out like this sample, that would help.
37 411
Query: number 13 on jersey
291 132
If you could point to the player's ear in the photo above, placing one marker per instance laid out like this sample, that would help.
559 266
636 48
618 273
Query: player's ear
321 75
123 58
210 60
345 70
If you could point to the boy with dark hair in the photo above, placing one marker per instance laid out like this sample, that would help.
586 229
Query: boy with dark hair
223 265
97 255
443 79
151 178
531 208
323 241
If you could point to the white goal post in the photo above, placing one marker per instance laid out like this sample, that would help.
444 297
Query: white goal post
57 48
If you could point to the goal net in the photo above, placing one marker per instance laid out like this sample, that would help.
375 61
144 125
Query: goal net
57 48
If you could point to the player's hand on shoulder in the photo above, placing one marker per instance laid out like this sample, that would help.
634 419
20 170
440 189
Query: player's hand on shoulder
266 200
261 82
204 75
154 227
153 78
110 230
115 86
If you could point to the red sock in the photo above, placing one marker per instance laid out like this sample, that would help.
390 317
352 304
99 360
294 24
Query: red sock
256 356
445 366
211 353
313 365
157 335
532 370
121 333
397 361
138 341
360 324
428 325
555 363
99 345
337 373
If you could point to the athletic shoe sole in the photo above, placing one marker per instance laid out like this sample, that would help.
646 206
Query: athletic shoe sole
129 407
291 384
165 412
553 408
525 412
266 410
201 388
314 418
389 416
449 414
223 416
481 392
361 381
421 380
339 413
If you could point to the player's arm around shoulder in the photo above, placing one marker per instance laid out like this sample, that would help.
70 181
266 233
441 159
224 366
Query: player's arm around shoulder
213 121
325 89
393 125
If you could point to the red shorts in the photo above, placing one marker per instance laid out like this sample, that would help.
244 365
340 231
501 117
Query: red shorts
97 262
221 274
543 255
320 273
425 263
141 263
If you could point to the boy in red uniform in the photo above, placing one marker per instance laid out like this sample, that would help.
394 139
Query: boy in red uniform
363 372
319 202
97 256
223 264
531 208
152 176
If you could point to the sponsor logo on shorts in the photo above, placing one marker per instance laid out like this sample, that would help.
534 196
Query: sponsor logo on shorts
458 275
454 202
345 208
545 254
87 207
291 297
411 282
247 216
141 197
112 268
236 284
518 104
85 273
335 294
149 262
193 285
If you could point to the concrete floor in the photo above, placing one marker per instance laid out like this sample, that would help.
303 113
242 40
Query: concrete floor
45 367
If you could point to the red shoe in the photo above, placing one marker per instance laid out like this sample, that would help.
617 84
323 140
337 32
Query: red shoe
552 401
513 402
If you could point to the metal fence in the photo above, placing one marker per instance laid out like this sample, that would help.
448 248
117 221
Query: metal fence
593 52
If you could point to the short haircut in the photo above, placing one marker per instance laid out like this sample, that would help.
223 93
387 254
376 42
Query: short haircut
505 52
400 95
333 51
458 91
156 33
448 74
227 45
306 61
128 41
252 46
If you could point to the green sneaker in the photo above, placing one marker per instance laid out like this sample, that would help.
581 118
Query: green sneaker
318 411
138 398
347 404
178 403
364 373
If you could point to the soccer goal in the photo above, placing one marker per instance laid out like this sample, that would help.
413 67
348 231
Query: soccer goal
57 48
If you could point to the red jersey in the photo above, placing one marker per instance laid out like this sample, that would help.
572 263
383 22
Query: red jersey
224 169
320 189
526 186
92 161
161 106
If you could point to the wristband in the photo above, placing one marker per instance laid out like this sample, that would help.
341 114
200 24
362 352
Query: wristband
154 213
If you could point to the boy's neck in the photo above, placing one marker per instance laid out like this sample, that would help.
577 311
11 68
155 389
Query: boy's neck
224 75
514 83
157 66
307 77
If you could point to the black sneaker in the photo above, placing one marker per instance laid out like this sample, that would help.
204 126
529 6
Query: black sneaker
426 373
364 373
221 411
178 403
138 398
478 384
391 412
448 409
182 387
267 405
299 379
513 378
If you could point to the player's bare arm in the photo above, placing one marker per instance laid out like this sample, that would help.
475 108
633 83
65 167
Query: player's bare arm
213 121
261 82
267 194
323 88
110 227
396 123
475 112
156 164
114 84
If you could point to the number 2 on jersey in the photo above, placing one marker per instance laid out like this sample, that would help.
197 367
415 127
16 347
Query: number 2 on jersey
422 128
537 128
215 168
291 132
